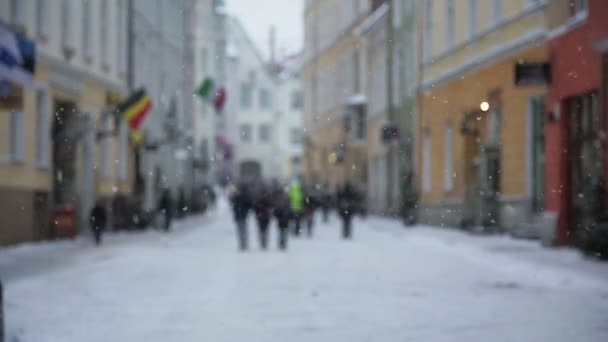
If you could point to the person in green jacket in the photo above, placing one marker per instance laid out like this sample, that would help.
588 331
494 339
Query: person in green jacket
296 203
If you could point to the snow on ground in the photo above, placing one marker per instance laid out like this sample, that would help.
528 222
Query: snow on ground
390 283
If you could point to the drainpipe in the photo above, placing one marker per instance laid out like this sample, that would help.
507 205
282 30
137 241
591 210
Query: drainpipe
390 109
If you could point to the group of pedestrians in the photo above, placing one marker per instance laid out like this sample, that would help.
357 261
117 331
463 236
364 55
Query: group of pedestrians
293 208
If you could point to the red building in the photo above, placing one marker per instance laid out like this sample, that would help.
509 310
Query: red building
577 115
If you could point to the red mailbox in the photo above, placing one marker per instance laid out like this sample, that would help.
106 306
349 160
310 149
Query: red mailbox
63 221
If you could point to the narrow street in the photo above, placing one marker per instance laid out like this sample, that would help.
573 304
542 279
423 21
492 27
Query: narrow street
389 284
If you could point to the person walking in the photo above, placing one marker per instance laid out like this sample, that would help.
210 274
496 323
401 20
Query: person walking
241 204
165 207
347 197
310 205
296 203
325 206
282 214
263 212
98 221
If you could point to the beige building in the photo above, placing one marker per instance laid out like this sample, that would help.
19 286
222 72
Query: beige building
60 144
480 165
334 93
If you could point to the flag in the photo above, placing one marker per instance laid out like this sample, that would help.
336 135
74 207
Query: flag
220 99
136 108
17 58
137 137
206 88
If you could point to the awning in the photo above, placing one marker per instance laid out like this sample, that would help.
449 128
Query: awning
17 58
356 100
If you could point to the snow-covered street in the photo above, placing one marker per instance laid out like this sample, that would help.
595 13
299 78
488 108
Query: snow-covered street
390 283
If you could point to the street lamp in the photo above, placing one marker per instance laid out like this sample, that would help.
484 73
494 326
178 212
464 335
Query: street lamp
484 106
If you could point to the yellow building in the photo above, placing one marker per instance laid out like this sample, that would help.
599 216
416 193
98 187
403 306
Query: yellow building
480 143
60 142
333 87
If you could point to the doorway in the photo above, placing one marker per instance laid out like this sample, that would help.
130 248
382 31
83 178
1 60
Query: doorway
65 139
537 154
585 163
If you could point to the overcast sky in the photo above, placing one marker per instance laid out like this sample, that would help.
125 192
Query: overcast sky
257 16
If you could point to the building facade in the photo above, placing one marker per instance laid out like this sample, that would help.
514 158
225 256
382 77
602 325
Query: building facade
576 111
209 62
334 93
158 43
403 89
479 133
251 108
374 37
61 144
289 113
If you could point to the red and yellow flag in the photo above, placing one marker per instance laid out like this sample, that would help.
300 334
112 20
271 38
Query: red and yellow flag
136 108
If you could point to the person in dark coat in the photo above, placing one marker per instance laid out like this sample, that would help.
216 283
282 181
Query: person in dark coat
347 202
263 212
241 204
282 212
165 207
98 221
325 206
310 205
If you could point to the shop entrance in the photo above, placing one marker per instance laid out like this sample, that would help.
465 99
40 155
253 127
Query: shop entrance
585 164
65 138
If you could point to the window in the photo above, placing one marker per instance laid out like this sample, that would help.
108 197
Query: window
106 149
121 36
496 11
448 162
103 33
87 47
428 30
123 149
578 6
397 76
295 136
265 133
246 95
359 124
265 100
246 133
42 19
16 137
296 100
473 17
67 33
397 13
219 62
533 2
204 60
426 163
494 125
43 105
18 12
450 24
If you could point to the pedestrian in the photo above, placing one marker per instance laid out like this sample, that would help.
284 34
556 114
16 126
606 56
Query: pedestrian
347 197
310 205
98 221
165 208
325 206
296 203
241 204
282 213
263 212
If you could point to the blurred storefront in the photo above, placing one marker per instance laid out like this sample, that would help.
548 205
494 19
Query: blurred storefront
576 108
477 126
62 144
